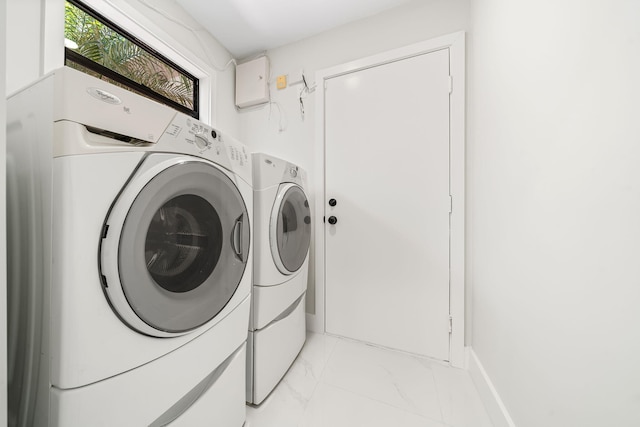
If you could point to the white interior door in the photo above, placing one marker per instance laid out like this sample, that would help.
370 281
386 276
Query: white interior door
387 168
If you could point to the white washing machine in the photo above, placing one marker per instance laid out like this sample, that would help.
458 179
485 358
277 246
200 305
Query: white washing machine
282 230
129 260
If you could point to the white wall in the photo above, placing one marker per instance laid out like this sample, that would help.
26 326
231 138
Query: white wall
554 184
416 21
23 30
3 221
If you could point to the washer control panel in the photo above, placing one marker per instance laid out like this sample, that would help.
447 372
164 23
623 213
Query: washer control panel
187 135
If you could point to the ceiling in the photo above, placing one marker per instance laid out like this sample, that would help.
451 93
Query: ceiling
246 27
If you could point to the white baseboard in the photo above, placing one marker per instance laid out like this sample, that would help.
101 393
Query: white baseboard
492 402
314 323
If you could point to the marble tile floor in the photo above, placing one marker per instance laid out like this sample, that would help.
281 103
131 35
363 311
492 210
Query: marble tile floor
336 382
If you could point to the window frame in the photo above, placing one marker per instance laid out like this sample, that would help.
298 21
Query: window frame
160 34
73 56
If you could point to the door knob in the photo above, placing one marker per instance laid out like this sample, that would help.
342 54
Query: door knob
332 220
332 202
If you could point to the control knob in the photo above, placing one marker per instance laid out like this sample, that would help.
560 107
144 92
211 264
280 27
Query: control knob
201 141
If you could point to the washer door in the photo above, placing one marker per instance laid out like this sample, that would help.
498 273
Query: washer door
290 228
176 246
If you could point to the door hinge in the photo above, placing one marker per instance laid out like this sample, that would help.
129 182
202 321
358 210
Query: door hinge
450 324
450 84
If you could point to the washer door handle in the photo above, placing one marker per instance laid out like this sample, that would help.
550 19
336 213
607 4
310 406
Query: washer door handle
236 237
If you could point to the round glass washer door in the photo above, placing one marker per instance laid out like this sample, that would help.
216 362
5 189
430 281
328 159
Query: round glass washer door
290 228
182 246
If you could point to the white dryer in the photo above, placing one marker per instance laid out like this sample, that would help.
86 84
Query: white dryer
129 260
282 230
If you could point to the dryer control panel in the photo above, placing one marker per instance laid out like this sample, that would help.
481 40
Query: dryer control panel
269 170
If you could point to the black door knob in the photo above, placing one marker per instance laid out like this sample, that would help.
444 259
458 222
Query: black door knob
332 202
332 220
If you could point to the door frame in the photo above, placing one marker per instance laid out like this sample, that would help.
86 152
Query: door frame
455 42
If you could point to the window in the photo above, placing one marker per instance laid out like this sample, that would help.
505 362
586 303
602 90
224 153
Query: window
98 47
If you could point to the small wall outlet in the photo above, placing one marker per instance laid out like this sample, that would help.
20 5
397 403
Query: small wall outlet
281 81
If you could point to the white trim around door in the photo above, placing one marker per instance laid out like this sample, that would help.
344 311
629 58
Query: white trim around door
456 44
